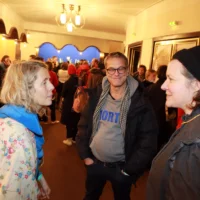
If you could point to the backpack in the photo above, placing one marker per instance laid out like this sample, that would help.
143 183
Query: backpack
80 99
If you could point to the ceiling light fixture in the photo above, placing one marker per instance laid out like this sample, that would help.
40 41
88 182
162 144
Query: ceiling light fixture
70 18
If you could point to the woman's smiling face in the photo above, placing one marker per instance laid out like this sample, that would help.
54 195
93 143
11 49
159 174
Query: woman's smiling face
179 90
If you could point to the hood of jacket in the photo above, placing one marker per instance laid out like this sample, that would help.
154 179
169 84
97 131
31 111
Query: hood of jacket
20 114
96 71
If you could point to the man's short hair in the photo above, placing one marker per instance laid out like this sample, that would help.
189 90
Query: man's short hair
143 66
32 56
116 55
39 58
18 89
148 72
95 60
65 66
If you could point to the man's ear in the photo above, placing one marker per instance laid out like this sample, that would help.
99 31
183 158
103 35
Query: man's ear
128 71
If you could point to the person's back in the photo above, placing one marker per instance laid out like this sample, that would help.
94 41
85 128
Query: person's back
62 75
83 77
69 117
157 98
95 78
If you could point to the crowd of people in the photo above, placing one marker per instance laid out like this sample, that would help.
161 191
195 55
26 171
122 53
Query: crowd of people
121 124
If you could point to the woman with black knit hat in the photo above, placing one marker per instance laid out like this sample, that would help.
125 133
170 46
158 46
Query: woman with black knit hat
175 171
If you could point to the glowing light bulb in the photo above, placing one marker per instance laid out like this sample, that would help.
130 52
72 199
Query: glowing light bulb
78 20
69 27
63 18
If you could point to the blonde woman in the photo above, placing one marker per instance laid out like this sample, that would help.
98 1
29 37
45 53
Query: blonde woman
26 89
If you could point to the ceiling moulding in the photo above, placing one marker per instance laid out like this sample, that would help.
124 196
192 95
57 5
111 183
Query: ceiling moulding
2 27
13 34
52 29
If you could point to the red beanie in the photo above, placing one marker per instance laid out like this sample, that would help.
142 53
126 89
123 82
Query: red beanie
71 69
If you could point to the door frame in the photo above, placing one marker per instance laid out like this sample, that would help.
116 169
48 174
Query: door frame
131 47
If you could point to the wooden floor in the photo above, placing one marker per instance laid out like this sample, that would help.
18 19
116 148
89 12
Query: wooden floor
65 172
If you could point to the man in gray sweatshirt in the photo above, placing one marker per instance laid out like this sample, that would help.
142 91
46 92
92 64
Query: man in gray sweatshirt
117 132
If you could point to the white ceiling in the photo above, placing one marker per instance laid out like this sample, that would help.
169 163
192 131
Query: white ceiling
100 15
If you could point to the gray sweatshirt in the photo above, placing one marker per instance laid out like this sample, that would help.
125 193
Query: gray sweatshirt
108 143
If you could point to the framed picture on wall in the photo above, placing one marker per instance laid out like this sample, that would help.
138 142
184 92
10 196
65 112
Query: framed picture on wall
165 47
161 54
185 44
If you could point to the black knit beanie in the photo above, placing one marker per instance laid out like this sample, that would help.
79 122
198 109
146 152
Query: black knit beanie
190 58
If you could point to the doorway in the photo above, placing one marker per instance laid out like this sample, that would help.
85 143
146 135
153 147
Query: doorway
134 54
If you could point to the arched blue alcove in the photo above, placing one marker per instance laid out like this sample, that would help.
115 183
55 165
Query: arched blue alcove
47 50
90 53
69 51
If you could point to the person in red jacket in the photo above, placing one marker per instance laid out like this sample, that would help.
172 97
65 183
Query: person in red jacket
54 81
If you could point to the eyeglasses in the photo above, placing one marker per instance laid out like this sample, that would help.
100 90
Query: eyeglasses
120 70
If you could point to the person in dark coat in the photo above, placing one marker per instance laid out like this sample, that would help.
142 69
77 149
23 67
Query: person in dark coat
117 132
68 116
95 77
175 173
4 64
150 78
157 98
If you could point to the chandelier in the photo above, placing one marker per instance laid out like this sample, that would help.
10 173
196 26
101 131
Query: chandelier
71 17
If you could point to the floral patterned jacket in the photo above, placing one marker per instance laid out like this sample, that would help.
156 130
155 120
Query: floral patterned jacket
18 161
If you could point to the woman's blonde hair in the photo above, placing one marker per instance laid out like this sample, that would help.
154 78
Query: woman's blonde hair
18 84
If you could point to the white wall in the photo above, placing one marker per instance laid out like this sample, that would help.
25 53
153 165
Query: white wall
154 22
11 20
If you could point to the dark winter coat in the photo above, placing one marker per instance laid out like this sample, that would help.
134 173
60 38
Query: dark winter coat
95 78
157 98
140 136
175 171
68 91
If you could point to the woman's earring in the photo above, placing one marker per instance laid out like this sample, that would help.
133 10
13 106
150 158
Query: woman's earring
193 104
